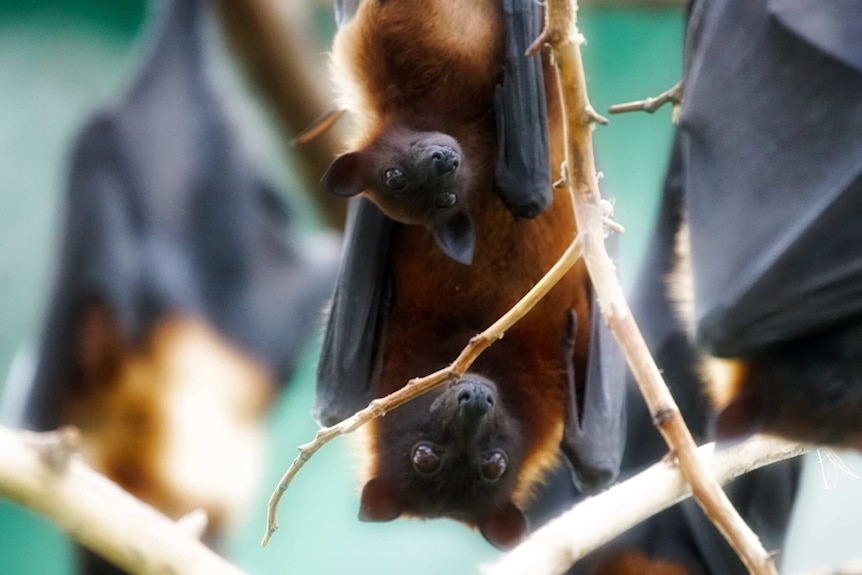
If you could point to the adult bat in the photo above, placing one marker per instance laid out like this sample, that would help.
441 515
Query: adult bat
772 181
680 540
451 79
182 298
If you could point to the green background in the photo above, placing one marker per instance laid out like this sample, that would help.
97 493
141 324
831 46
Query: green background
60 59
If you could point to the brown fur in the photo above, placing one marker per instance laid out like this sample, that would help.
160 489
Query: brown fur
170 420
438 72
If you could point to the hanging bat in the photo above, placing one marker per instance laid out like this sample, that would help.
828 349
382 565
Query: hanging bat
453 75
680 540
181 301
758 204
773 183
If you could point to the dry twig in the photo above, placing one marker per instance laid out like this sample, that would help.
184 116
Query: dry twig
650 105
554 547
564 39
41 473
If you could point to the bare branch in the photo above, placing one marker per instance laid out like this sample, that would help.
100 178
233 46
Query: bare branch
96 512
418 386
565 40
553 548
276 51
650 105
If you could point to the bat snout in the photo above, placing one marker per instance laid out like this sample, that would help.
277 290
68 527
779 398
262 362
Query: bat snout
444 160
475 399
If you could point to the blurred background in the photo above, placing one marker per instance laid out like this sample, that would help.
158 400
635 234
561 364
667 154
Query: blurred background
60 59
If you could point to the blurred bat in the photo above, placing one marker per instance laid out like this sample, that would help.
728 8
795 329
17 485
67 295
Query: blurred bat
182 298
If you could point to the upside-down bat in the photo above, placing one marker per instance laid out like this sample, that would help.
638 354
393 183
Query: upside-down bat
779 163
452 74
762 200
181 301
680 540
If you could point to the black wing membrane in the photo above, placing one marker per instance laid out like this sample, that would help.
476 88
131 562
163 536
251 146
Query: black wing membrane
773 177
594 441
346 380
165 214
523 177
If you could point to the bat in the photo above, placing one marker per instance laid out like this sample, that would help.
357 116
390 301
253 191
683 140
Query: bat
411 291
753 234
182 298
778 298
680 540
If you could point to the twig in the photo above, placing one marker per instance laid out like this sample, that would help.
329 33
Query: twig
554 547
650 105
418 386
580 173
96 512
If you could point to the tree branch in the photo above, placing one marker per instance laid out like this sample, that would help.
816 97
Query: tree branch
275 49
554 547
564 40
42 473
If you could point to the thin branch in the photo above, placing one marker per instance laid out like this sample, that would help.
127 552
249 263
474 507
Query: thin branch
553 548
419 386
650 105
580 173
96 512
274 44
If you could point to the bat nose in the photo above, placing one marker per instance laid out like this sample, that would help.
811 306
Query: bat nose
444 160
475 399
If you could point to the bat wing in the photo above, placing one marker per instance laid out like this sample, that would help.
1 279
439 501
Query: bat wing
164 214
683 535
594 441
773 180
523 177
345 375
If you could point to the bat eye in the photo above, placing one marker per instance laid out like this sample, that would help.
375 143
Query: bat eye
494 466
395 179
425 459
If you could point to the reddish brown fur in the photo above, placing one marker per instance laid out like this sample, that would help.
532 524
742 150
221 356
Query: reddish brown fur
419 71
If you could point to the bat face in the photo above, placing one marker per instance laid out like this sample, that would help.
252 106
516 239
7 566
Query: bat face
418 178
457 459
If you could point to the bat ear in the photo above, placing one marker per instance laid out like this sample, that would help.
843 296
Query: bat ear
457 238
342 175
740 419
378 502
504 527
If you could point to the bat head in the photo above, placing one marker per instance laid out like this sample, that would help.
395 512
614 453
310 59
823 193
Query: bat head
415 178
453 455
